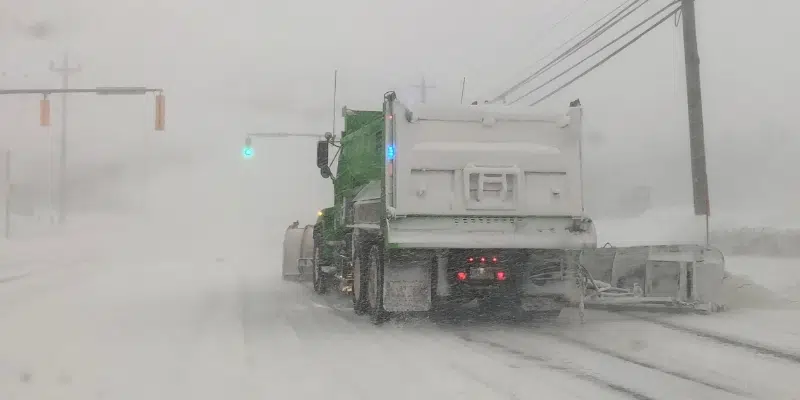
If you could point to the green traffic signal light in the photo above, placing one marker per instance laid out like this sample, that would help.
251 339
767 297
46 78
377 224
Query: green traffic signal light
247 151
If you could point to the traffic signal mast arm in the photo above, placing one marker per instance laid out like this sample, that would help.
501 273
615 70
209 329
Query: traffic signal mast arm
98 90
247 151
44 107
287 134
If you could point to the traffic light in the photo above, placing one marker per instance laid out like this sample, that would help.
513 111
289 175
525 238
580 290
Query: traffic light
160 112
247 151
44 112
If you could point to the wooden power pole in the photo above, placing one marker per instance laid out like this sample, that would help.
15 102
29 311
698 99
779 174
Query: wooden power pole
694 102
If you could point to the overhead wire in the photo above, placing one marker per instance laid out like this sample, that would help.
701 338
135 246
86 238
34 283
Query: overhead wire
610 56
566 17
601 30
559 22
563 55
583 42
618 38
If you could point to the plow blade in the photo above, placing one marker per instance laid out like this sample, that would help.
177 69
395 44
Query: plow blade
298 252
674 278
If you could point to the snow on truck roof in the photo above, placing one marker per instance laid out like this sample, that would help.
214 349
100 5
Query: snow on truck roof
530 148
480 113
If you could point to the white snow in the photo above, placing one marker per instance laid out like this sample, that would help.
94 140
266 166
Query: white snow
678 224
172 305
210 330
169 324
780 276
656 226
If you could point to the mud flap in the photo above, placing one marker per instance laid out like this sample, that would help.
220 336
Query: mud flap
541 291
407 280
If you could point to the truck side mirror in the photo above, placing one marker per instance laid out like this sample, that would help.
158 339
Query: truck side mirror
322 153
325 172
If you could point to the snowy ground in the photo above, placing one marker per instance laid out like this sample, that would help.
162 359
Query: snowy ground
96 318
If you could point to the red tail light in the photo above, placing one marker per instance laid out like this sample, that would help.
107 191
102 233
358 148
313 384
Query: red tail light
483 259
470 259
501 275
494 260
461 275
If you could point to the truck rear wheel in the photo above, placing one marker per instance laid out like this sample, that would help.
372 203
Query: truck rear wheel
360 304
377 313
318 277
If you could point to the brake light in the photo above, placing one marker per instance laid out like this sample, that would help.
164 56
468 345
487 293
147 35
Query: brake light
483 259
501 275
461 275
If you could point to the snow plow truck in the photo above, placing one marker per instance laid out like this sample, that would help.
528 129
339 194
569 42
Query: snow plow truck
435 207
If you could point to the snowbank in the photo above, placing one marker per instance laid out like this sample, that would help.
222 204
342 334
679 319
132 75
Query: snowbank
84 238
763 281
679 225
655 227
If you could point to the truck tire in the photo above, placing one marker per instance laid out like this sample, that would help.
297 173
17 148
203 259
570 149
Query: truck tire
318 278
360 304
377 313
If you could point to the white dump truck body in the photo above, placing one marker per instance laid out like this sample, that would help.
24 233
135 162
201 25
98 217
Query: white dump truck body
485 176
486 202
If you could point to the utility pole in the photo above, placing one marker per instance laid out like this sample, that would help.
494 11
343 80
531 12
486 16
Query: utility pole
694 102
463 86
423 89
65 72
7 207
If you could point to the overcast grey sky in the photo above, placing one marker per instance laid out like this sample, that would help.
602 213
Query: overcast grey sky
243 65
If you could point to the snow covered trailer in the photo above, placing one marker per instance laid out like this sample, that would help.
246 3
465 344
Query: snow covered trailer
298 252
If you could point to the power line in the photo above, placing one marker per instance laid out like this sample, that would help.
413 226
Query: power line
637 26
549 30
561 56
566 17
610 56
583 42
594 35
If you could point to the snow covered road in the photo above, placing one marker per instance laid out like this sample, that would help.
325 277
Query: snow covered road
216 328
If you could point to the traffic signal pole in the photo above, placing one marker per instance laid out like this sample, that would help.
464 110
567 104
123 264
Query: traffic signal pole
44 119
247 151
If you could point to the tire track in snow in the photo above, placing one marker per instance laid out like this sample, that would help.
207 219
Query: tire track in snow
623 357
740 343
547 363
412 323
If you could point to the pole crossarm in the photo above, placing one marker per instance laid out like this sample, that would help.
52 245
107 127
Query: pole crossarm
98 90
